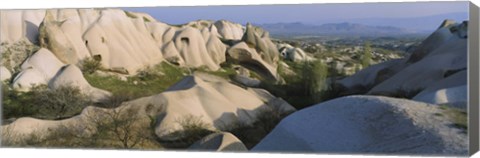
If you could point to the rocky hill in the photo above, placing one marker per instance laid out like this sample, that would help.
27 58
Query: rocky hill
110 78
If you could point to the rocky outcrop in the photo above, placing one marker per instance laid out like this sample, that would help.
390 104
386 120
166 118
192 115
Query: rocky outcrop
193 49
252 60
208 99
291 53
17 25
70 75
454 96
43 68
367 124
442 55
223 141
5 74
38 69
229 30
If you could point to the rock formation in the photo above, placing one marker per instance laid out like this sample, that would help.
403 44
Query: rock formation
209 99
367 124
436 64
219 142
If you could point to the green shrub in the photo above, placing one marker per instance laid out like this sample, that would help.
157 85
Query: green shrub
252 134
192 130
44 103
90 65
367 55
146 19
130 15
62 102
15 53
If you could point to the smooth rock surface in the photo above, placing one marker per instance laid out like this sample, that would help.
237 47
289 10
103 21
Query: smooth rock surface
367 124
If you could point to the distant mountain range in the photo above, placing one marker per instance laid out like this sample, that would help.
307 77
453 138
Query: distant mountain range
365 26
419 24
345 28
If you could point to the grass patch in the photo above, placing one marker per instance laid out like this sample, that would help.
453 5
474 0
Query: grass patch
458 117
225 72
147 82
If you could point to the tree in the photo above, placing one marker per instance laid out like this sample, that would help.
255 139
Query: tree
314 75
367 55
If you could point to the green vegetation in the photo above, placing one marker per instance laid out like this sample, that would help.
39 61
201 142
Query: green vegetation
149 81
226 71
458 117
119 128
44 103
130 15
367 55
14 54
252 134
307 86
146 19
193 129
90 65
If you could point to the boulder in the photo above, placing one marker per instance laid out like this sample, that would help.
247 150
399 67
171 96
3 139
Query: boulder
28 78
222 141
291 53
71 75
229 30
367 124
454 96
192 48
251 59
122 42
417 76
5 74
365 79
16 25
62 37
246 81
38 69
45 62
210 99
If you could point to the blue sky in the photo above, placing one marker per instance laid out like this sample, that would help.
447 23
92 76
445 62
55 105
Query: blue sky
306 13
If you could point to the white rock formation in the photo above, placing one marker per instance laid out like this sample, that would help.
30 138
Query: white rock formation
192 48
291 53
428 67
38 69
454 96
367 124
209 99
222 141
252 60
229 30
5 74
71 75
16 25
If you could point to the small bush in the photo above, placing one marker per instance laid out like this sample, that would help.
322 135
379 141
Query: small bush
62 102
15 53
130 15
252 134
90 65
146 19
44 103
193 129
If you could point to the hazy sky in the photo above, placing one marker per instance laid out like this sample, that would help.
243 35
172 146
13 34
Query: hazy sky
311 13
